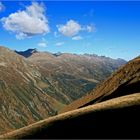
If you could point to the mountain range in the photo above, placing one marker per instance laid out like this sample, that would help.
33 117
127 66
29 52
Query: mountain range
71 76
124 81
108 111
36 85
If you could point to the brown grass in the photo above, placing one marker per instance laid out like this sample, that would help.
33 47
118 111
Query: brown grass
117 103
125 75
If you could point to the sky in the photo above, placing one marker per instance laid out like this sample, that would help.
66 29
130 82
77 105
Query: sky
95 27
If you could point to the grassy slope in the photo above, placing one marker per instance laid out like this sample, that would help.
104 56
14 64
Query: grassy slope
22 101
72 76
102 119
124 81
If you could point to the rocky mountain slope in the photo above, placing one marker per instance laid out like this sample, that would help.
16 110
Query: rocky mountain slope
110 111
22 100
39 85
124 81
73 75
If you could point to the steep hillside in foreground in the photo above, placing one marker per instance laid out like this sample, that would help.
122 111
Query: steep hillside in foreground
124 81
73 75
115 118
22 100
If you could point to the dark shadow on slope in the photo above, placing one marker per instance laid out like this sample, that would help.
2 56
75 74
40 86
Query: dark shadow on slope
122 90
113 123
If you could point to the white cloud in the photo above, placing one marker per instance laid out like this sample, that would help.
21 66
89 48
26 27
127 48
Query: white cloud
71 28
42 43
21 36
77 38
59 43
56 34
90 28
2 7
27 23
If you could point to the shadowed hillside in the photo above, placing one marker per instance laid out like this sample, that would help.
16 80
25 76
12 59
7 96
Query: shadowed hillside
109 119
27 53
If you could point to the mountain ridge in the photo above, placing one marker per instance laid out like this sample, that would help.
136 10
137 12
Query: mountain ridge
70 70
114 117
37 87
121 82
22 99
29 52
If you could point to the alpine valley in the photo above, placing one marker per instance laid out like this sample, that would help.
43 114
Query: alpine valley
36 85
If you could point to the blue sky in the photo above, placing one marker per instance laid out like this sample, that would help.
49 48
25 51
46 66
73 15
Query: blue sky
104 28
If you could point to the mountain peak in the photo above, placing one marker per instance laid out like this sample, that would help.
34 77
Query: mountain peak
27 53
57 54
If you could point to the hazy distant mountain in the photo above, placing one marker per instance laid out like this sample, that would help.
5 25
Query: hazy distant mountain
38 86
